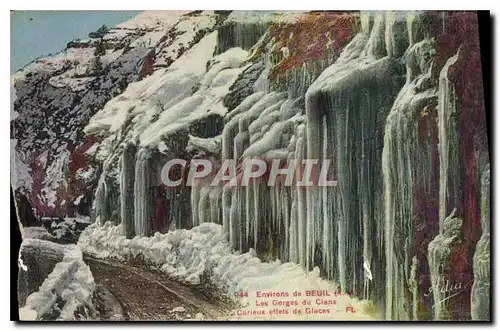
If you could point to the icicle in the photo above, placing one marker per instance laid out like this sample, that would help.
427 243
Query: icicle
127 190
327 246
293 232
257 209
100 202
301 206
215 196
143 188
450 187
204 212
195 201
376 43
450 192
365 17
410 20
226 208
250 212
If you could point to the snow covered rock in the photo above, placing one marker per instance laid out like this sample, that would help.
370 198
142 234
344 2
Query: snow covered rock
65 291
55 98
69 228
37 233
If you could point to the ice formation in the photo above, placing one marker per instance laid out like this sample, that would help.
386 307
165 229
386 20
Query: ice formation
389 97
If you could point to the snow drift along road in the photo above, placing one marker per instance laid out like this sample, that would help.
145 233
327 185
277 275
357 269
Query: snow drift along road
191 255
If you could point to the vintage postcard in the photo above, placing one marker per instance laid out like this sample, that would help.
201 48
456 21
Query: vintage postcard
250 165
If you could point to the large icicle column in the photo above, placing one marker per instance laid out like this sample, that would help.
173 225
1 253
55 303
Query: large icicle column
206 199
462 149
127 181
176 211
448 242
101 212
450 186
145 178
409 167
248 217
464 113
433 140
107 205
346 108
480 298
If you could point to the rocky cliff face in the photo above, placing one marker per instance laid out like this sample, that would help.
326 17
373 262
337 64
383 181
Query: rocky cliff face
393 100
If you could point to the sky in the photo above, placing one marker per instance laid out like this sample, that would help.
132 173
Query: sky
37 33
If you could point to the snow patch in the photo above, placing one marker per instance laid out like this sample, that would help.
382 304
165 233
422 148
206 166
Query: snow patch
179 309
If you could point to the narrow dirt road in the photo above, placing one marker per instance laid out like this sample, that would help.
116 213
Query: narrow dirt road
136 293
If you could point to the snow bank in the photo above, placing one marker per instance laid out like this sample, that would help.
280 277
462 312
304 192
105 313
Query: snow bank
203 251
67 291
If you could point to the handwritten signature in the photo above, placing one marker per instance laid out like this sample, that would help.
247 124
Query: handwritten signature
444 285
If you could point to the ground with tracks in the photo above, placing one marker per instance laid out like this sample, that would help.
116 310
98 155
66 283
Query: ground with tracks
134 292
